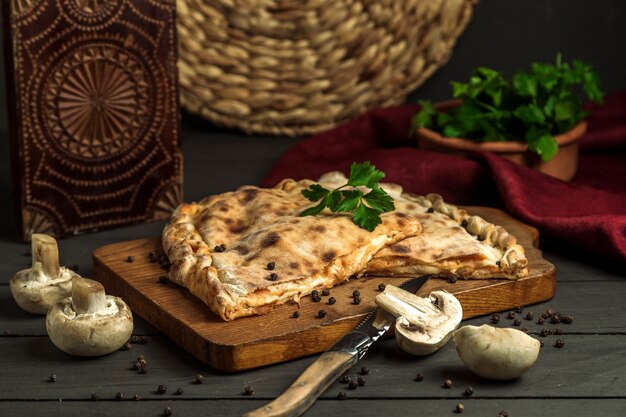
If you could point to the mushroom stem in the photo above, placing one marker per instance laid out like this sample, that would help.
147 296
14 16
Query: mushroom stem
46 252
88 296
400 308
36 273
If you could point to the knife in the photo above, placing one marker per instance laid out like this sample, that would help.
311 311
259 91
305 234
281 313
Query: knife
333 363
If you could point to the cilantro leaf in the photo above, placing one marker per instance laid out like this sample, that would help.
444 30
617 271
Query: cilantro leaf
379 200
542 143
353 200
364 174
529 114
366 217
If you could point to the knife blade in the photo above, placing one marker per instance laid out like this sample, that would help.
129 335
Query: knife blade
333 362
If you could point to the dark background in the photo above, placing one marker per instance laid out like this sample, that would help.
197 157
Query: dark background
504 34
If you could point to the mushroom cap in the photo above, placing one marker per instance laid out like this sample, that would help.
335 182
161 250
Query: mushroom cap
37 297
89 334
434 331
496 353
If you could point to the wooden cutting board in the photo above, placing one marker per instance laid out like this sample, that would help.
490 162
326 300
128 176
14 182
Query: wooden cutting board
262 340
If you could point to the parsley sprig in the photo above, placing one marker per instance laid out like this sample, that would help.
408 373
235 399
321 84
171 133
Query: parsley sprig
366 208
532 106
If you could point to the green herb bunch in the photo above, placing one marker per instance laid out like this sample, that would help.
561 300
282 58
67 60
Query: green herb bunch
532 106
366 208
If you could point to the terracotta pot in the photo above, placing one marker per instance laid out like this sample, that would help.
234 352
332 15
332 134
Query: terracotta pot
563 166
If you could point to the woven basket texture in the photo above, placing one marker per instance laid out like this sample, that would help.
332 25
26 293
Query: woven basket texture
296 67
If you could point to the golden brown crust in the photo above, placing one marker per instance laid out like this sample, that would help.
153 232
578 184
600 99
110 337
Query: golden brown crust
257 226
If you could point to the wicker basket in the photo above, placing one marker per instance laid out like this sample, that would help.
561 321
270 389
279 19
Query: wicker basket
294 67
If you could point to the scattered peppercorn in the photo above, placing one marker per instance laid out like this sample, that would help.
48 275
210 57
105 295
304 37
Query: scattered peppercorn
360 381
544 332
503 413
325 292
345 379
143 369
162 389
419 376
356 293
541 343
464 223
248 390
541 320
314 293
499 264
547 313
352 385
364 371
447 383
559 343
321 314
567 319
152 257
529 315
468 391
130 259
295 314
273 276
519 309
316 298
143 340
495 318
94 396
430 210
135 339
167 411
557 331
136 397
342 396
163 279
165 264
459 408
524 329
517 322
119 396
179 391
271 266
382 286
452 279
199 379
511 315
357 300
220 248
555 319
332 300
53 378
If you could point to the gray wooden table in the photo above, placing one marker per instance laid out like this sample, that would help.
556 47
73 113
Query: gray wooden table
587 377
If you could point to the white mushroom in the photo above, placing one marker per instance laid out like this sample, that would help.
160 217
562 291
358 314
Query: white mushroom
36 289
90 323
496 353
423 325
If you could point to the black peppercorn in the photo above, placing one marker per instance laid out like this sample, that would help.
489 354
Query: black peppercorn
541 320
136 397
119 396
447 383
452 279
321 314
248 390
464 223
524 329
345 379
179 391
459 408
468 391
94 396
332 300
360 381
503 413
557 331
541 343
356 293
130 259
325 292
544 332
271 266
167 411
273 276
162 389
316 298
53 378
511 315
517 322
135 339
352 385
430 210
199 379
314 293
163 279
143 340
519 309
152 257
567 319
559 343
219 248
555 319
529 315
295 314
499 264
143 369
419 376
495 318
357 300
342 396
364 371
382 286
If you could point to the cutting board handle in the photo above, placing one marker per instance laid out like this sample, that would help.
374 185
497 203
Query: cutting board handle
310 385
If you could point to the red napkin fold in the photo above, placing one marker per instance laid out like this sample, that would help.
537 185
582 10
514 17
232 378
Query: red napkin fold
589 211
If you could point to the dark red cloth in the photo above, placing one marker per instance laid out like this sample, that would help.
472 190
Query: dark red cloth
589 211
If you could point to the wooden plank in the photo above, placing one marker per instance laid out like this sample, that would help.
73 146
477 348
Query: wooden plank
275 337
579 299
324 408
587 366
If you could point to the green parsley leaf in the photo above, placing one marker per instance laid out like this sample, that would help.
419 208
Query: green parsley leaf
353 200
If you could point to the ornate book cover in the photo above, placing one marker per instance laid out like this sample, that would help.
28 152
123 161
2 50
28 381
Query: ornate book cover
93 99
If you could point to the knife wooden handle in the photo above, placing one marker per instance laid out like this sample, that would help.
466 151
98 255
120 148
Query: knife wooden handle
310 385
